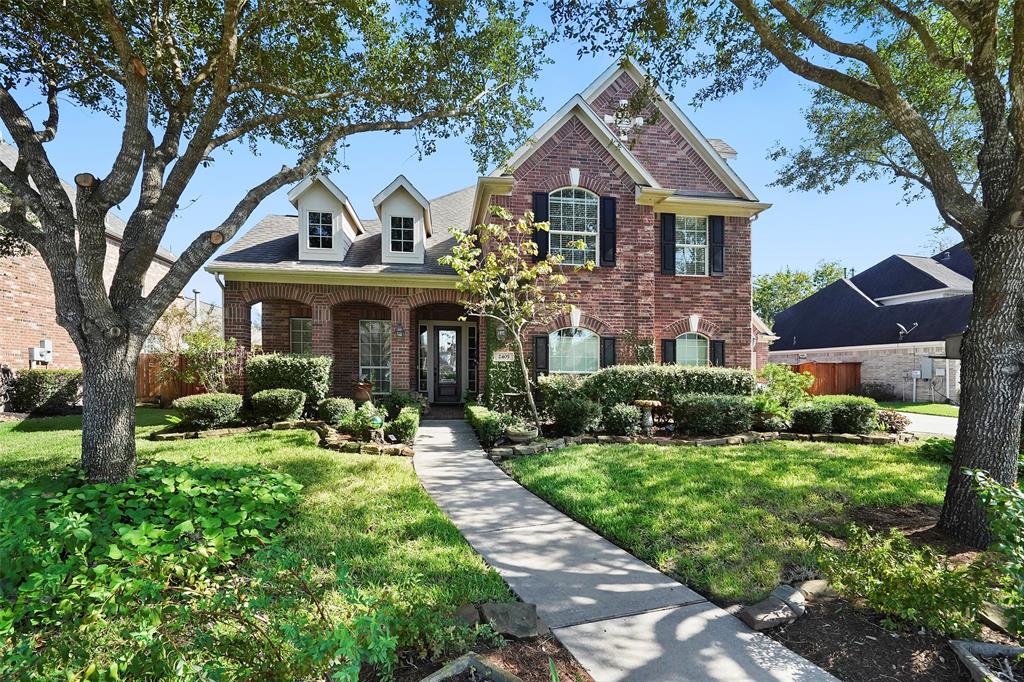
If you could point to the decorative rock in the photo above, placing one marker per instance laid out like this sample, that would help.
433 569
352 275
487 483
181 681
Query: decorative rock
516 620
468 615
817 589
712 442
392 450
521 450
282 426
845 438
178 435
370 449
473 665
770 613
587 440
556 444
794 436
350 446
878 439
261 427
606 439
793 597
736 440
971 653
501 453
622 439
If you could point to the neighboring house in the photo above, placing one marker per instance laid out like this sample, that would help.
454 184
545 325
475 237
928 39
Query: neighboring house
664 218
28 315
893 319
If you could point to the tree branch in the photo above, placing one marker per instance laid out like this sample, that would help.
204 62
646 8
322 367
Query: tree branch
931 48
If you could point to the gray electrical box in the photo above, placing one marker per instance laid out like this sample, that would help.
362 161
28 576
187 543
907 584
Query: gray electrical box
927 367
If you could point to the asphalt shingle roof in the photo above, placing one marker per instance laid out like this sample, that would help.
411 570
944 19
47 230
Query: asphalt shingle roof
958 259
906 275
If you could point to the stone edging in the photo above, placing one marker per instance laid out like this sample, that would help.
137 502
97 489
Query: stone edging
537 447
328 435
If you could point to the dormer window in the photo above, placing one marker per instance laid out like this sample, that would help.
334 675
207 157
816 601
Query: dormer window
321 229
403 238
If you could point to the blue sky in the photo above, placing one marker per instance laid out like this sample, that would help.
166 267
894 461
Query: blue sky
858 225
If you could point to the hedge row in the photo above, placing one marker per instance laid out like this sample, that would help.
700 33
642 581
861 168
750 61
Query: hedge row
836 414
46 391
310 374
488 424
208 410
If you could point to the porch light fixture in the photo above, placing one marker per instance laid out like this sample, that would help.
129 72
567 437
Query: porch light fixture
399 330
694 322
575 314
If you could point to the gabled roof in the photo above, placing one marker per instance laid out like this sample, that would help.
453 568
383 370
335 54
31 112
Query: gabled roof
298 190
401 182
899 275
668 108
578 107
958 259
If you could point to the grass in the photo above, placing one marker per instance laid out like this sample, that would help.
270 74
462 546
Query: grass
368 512
936 409
727 521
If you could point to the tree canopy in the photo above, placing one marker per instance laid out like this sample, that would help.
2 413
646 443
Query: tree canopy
775 292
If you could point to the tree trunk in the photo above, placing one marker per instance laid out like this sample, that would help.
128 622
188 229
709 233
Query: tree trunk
992 383
108 409
526 381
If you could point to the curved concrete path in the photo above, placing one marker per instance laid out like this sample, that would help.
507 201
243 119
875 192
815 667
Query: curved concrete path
620 618
931 424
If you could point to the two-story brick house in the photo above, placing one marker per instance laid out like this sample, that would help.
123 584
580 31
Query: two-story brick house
663 216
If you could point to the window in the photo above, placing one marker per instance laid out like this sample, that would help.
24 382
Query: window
421 362
321 230
300 332
402 235
573 350
572 213
474 357
375 354
692 349
691 245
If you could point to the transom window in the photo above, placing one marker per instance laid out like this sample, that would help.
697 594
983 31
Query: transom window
300 333
572 214
402 234
692 349
574 350
321 229
691 245
375 354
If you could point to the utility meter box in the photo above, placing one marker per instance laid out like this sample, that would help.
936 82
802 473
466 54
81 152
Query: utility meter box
927 367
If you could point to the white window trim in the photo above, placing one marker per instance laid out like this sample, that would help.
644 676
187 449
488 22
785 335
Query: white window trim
706 246
551 352
597 226
391 227
362 368
707 342
320 248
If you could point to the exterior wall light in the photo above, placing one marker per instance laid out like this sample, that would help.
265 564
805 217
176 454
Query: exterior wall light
399 330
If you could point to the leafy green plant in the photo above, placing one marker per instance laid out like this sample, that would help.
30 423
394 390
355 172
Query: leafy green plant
892 421
555 388
718 415
277 404
505 390
397 400
623 420
907 583
208 410
335 411
575 416
786 387
1005 508
310 374
361 424
812 417
850 413
46 391
488 424
404 426
629 383
769 413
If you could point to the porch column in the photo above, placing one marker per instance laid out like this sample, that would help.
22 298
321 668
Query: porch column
323 326
401 347
237 318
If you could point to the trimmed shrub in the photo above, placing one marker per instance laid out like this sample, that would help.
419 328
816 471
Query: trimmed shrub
785 386
623 420
310 374
404 426
892 421
394 402
335 411
629 383
46 391
554 388
278 404
488 424
208 410
575 416
769 413
812 417
850 413
713 415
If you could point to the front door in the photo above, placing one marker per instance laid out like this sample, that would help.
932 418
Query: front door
447 374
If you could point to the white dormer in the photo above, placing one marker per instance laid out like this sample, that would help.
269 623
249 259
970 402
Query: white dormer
327 222
404 222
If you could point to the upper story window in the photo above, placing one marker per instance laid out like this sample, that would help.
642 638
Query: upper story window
572 214
691 245
321 229
300 333
692 349
402 239
574 350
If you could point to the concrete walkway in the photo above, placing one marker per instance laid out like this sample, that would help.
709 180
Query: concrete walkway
620 618
931 425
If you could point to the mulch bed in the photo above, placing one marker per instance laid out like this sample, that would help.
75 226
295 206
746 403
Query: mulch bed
526 658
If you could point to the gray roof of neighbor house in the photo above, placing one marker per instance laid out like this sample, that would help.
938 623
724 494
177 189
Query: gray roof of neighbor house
958 259
898 275
115 226
273 243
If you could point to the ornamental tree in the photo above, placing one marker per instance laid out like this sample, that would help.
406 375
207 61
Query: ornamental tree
503 280
926 93
187 81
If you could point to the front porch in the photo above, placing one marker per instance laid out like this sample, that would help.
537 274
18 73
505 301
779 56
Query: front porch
397 338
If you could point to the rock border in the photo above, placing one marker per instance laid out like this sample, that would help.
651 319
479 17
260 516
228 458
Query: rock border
968 653
475 663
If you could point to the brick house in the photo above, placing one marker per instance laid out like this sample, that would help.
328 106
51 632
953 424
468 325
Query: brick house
28 313
664 218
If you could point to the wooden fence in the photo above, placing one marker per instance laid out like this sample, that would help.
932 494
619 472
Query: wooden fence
152 385
832 378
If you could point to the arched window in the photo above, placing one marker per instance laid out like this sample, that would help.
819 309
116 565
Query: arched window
574 350
691 349
572 214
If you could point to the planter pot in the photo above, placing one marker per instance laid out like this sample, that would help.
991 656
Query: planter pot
972 653
521 435
363 392
474 664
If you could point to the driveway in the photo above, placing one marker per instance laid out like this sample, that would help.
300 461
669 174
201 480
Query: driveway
929 424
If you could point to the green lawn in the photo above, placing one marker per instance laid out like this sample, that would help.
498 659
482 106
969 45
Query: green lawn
368 512
728 521
937 409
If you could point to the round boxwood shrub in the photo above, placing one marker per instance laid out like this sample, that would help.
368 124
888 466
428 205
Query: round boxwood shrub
404 426
208 410
310 374
812 417
335 411
278 404
851 413
623 420
575 416
713 414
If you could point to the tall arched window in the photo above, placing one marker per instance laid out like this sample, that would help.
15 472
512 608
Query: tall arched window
574 350
572 213
691 349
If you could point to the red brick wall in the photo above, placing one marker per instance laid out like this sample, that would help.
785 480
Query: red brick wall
276 324
346 341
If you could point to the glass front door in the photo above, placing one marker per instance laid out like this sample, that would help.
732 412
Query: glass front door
447 374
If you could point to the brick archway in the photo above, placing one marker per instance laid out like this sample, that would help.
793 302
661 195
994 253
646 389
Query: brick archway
257 292
590 322
682 326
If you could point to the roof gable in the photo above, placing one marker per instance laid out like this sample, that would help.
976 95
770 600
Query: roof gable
402 183
298 190
899 275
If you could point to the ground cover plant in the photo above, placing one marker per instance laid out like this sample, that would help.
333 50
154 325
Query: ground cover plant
381 562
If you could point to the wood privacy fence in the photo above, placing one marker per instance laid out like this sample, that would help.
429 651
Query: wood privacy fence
151 385
832 378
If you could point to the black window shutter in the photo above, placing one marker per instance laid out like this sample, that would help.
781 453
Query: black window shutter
718 353
668 351
540 355
606 237
607 351
668 243
540 215
717 244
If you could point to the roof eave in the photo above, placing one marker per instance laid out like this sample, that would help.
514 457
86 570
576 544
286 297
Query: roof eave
664 201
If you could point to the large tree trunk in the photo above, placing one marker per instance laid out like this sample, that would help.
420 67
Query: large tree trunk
992 383
108 409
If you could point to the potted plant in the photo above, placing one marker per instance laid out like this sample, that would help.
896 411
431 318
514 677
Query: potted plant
521 432
363 391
